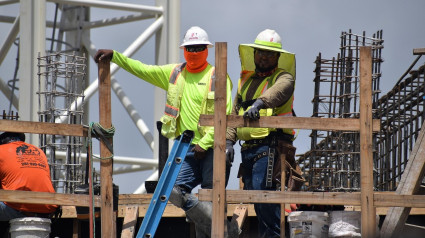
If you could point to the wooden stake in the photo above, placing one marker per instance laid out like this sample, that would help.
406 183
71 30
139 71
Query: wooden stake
282 183
106 163
368 224
219 187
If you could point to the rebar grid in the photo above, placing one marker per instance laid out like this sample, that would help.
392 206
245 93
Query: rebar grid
402 114
333 164
61 77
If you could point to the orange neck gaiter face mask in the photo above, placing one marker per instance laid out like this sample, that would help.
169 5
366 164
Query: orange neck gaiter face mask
196 61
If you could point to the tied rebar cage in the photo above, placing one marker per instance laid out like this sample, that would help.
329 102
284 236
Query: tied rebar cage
333 163
402 114
61 99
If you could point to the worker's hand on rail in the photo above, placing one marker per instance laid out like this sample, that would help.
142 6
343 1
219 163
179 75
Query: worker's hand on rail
199 152
254 112
103 55
230 152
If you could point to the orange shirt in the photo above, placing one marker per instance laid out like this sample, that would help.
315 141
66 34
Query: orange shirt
24 167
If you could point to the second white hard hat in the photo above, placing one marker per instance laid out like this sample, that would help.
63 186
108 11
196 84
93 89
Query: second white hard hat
271 41
196 36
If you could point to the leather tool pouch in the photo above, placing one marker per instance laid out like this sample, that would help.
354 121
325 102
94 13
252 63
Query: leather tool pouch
294 178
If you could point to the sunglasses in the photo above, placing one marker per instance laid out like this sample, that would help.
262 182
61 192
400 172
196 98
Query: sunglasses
197 48
266 53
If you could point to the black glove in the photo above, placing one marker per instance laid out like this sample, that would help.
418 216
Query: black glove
199 152
254 112
103 55
230 152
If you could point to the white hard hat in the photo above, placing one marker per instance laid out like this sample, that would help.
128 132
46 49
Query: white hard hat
266 40
196 36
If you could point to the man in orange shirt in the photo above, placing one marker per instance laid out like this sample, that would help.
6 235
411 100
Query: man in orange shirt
23 167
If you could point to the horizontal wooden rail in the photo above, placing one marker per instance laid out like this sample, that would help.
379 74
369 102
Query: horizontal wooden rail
80 200
381 199
43 128
311 123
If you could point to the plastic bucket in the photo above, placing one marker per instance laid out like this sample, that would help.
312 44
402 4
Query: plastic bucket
303 224
29 227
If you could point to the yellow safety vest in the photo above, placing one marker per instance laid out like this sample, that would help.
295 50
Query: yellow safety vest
249 133
172 107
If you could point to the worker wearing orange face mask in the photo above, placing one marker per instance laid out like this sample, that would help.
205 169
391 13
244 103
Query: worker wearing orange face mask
190 93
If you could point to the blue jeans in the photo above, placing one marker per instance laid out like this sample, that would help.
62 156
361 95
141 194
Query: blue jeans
254 178
7 213
196 172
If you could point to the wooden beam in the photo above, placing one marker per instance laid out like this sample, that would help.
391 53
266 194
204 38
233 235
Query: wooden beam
130 221
219 172
409 184
397 200
419 51
256 196
318 198
309 123
282 182
239 215
43 128
368 214
52 198
106 163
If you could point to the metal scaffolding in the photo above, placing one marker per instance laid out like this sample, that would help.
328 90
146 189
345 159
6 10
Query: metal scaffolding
60 77
70 31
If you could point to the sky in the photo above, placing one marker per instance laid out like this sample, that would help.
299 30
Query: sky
307 28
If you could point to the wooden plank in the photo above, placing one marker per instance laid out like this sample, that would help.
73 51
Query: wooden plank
368 213
76 228
419 51
256 196
239 215
173 211
219 172
130 221
399 200
124 199
42 197
106 191
409 184
318 198
43 128
282 182
316 123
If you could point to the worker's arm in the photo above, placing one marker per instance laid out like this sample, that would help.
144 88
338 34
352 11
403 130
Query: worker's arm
156 75
280 92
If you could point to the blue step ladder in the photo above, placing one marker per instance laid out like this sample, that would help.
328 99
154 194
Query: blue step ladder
165 186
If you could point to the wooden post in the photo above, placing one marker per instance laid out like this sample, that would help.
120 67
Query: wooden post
368 224
219 186
106 164
282 182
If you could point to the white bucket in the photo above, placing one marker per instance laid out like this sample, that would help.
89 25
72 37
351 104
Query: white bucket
345 224
303 224
30 227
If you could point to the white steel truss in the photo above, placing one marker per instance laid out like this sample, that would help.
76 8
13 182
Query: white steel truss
30 26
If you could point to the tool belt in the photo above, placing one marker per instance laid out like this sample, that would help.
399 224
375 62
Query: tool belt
294 178
280 145
271 139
